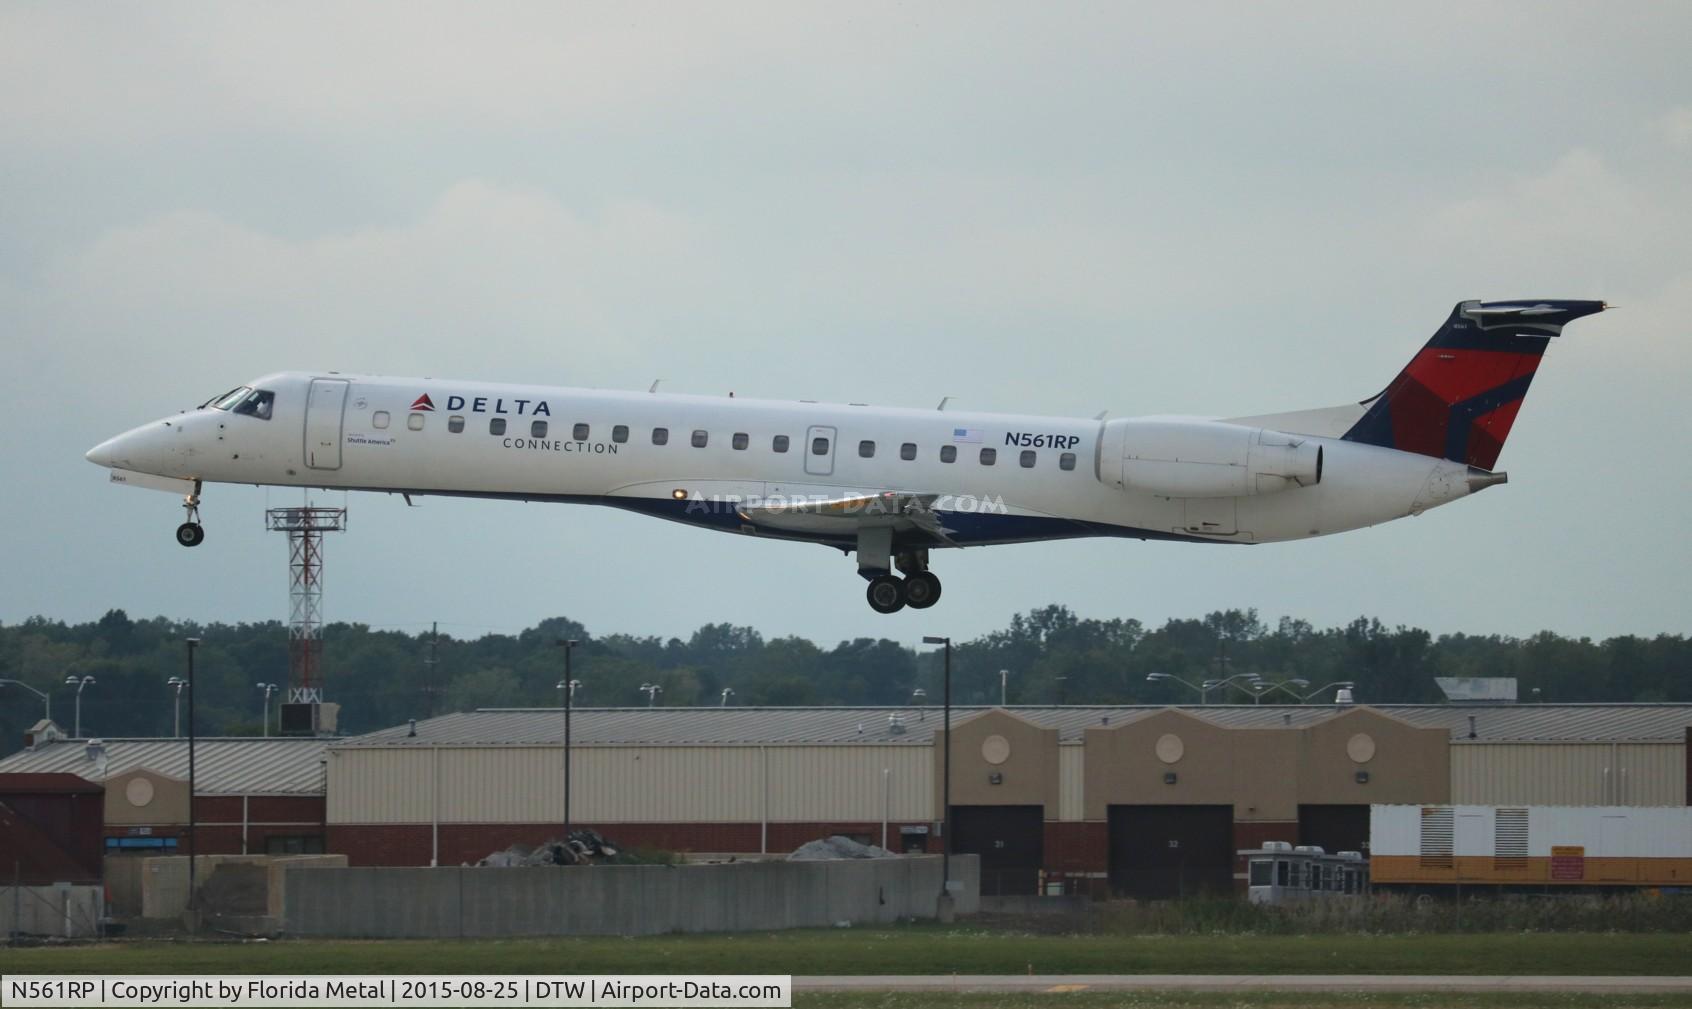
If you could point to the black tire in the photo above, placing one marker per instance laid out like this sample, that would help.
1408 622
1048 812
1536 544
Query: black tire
886 594
922 590
190 534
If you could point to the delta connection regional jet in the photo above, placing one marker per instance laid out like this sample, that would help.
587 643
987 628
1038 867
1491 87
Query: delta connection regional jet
887 484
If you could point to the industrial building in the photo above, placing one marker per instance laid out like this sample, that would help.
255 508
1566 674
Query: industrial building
1148 801
255 796
1145 801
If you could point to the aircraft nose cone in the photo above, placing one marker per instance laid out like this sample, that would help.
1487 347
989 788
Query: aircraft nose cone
101 454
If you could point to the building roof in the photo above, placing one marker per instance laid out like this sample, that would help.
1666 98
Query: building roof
776 726
222 766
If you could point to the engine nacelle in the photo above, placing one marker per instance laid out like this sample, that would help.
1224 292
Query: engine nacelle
1181 458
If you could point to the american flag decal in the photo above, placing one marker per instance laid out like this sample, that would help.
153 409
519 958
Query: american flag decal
971 435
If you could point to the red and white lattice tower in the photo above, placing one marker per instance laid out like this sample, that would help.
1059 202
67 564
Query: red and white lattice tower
305 528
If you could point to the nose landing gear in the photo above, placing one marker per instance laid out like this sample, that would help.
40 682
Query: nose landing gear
191 533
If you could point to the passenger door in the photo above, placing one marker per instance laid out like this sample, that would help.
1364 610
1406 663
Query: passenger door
326 401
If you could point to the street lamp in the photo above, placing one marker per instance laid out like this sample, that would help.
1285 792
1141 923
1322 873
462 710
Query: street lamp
652 692
1339 684
1248 682
176 708
728 692
268 688
1202 689
78 683
46 698
945 777
1004 680
568 687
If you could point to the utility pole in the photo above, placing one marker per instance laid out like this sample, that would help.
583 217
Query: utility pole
1004 681
429 687
193 643
944 907
569 688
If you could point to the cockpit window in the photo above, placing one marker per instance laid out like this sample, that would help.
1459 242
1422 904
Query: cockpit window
228 399
256 403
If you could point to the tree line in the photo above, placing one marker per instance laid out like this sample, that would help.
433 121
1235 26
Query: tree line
1049 655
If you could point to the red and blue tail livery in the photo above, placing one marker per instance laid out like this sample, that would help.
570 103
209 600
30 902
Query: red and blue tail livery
1457 398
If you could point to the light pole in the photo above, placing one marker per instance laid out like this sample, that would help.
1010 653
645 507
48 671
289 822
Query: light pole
46 698
79 682
945 774
193 643
268 688
1004 680
568 687
176 708
1250 681
1302 683
1202 689
728 692
652 692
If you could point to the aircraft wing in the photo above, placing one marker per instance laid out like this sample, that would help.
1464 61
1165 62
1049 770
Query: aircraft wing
902 511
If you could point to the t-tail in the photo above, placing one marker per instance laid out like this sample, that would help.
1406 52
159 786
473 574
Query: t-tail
1457 398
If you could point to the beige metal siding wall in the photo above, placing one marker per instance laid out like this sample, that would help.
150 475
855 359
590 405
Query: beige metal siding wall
1071 782
1568 774
811 783
629 784
1656 774
378 786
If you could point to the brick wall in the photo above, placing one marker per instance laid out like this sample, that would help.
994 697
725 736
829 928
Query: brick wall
409 844
218 823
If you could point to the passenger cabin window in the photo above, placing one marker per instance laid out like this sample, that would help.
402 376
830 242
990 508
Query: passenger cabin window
579 432
379 420
989 456
701 438
1066 461
1027 458
741 440
496 425
455 424
778 443
660 436
948 453
907 451
620 433
537 429
414 422
819 446
866 450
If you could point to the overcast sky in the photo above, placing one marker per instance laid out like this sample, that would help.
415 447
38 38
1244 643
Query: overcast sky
1210 208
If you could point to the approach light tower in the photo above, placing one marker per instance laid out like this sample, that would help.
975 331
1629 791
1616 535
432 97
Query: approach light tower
304 713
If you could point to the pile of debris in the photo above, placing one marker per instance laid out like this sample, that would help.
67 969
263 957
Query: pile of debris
836 847
582 847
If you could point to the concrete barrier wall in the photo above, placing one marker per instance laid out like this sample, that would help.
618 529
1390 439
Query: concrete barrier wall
470 902
60 910
157 886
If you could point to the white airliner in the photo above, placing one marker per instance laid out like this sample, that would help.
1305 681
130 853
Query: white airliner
887 484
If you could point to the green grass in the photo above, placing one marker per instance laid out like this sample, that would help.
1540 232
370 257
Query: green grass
919 949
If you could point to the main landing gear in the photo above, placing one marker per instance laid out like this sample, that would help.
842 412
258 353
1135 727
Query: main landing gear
191 533
888 593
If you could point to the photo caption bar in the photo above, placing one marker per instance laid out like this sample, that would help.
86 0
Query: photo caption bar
375 991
